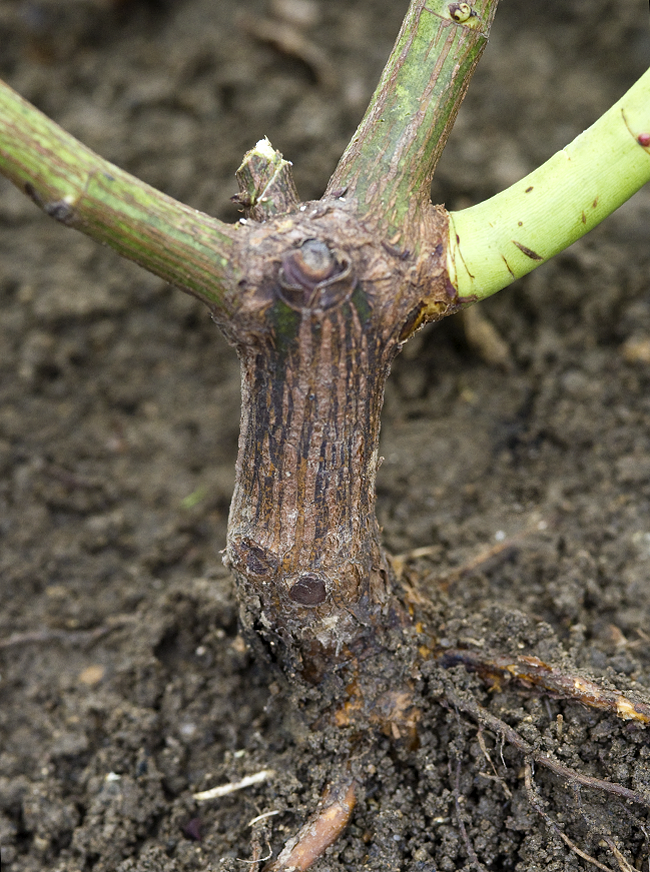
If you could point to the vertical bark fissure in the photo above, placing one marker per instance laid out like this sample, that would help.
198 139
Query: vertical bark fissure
309 541
319 325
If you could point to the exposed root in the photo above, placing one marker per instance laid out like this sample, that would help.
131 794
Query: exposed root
381 697
495 775
469 847
335 809
624 865
536 803
484 338
321 830
255 863
533 672
84 638
483 717
491 556
233 786
393 711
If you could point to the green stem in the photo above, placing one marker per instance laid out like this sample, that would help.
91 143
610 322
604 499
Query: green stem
503 238
77 187
388 165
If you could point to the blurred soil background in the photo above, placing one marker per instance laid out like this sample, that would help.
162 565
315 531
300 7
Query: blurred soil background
124 685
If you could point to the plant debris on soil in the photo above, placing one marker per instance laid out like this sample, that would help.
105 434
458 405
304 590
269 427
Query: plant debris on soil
515 487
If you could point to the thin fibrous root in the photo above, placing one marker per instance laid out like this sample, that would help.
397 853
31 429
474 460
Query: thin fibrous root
623 864
534 672
321 830
231 787
496 725
84 638
471 853
535 802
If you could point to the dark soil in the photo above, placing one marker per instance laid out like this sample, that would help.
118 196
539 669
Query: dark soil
131 689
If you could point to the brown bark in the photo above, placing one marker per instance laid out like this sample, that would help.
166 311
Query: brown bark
324 309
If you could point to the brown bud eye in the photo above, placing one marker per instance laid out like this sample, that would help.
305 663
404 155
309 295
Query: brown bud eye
312 263
309 590
312 277
252 558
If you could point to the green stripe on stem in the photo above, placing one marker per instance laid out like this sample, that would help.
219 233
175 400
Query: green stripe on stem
388 165
503 238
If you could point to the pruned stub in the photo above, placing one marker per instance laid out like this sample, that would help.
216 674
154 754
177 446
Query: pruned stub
321 319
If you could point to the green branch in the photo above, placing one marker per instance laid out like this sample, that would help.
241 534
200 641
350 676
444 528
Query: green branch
503 238
389 164
386 169
77 187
